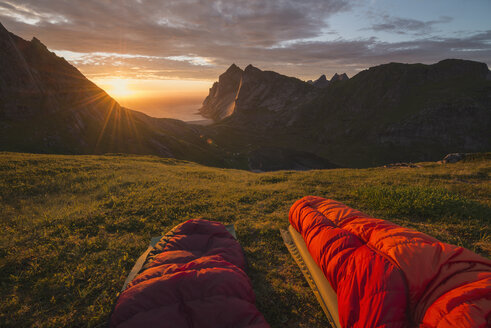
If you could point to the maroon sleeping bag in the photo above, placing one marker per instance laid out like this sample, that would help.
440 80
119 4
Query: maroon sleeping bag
194 277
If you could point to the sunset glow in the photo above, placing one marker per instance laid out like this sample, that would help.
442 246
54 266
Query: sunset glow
118 88
158 97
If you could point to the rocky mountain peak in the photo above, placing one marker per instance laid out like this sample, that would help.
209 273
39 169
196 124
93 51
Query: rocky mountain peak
220 101
5 36
338 77
2 28
36 41
251 69
321 82
232 69
232 75
38 45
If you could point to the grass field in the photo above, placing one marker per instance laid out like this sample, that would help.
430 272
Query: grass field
73 226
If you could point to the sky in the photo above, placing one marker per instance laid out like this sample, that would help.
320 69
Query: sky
162 56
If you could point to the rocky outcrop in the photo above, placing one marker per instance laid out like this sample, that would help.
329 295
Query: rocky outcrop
321 82
270 91
220 102
337 77
453 158
252 90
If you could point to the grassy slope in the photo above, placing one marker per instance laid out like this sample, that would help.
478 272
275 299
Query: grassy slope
72 226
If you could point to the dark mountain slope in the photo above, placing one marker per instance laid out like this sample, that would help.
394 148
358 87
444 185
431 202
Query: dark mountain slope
392 112
48 106
321 82
400 112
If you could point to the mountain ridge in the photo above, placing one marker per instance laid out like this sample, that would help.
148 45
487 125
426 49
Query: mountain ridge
323 82
263 120
387 113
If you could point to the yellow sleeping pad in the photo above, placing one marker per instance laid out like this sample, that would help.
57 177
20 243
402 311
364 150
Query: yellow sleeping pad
315 277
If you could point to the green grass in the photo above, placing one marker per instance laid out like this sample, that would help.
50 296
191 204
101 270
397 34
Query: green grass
73 226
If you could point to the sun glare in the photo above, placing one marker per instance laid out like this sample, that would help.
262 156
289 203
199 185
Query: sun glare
179 99
118 88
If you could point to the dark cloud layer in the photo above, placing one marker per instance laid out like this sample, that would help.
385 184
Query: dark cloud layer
200 38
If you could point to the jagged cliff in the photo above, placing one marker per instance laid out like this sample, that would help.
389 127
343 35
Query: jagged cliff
339 77
220 102
241 91
323 82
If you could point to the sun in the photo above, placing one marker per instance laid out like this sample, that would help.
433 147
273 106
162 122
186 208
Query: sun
118 88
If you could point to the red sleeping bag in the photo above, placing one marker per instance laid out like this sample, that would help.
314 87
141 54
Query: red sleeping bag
388 276
193 278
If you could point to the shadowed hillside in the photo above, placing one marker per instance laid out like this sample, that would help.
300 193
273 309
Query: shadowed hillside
48 106
388 113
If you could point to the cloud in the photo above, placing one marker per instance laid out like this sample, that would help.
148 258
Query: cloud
199 39
105 65
24 14
355 55
166 25
406 25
